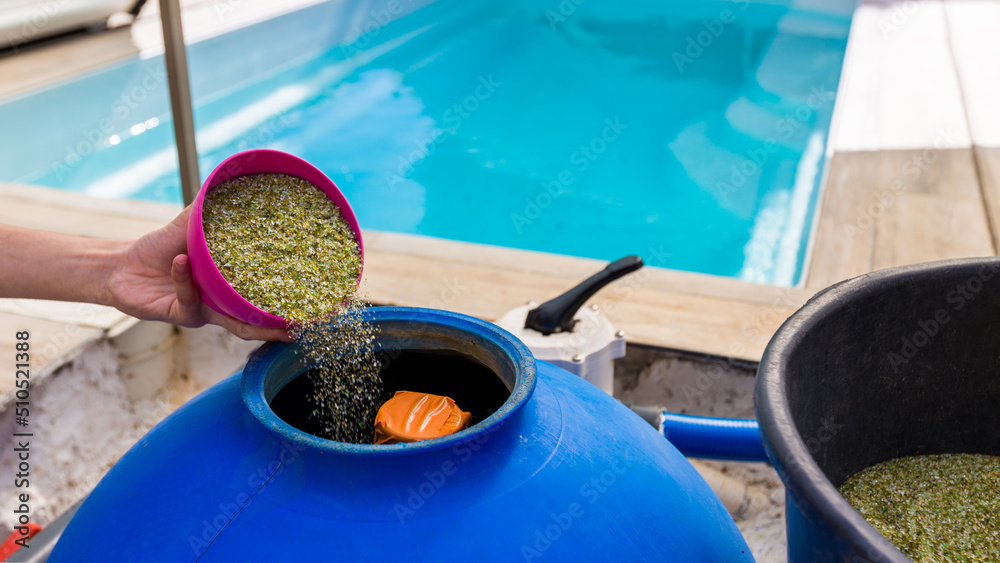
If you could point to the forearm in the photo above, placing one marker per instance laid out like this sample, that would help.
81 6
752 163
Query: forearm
42 265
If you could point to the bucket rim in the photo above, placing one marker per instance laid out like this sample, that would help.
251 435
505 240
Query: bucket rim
258 367
784 444
216 291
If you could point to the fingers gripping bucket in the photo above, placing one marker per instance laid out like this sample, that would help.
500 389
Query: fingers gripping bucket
216 292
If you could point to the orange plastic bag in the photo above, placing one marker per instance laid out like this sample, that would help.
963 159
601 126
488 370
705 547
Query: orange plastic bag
410 417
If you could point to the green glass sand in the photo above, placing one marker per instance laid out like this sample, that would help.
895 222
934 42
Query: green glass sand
934 508
283 245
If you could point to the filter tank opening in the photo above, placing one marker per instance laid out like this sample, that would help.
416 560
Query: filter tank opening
474 387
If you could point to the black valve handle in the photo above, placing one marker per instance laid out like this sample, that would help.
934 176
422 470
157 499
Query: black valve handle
556 315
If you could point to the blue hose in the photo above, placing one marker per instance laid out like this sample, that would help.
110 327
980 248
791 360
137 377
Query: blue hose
732 439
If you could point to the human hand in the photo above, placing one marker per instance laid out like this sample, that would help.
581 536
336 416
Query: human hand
153 281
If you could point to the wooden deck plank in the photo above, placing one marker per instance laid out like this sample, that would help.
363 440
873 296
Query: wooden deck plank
647 312
897 207
924 228
47 63
84 314
933 209
51 344
845 233
976 47
69 221
988 162
44 65
946 171
573 269
919 95
158 212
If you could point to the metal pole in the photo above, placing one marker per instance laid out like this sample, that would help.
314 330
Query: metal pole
180 98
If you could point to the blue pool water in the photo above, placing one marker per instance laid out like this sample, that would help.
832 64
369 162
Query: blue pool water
691 133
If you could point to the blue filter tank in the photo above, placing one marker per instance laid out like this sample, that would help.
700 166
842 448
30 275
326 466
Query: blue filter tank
556 470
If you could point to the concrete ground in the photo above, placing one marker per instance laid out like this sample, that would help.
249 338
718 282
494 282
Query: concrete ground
86 415
688 384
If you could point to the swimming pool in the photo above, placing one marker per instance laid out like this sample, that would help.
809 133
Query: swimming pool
691 133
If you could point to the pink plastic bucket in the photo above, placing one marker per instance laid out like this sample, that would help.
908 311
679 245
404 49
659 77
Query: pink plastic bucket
215 290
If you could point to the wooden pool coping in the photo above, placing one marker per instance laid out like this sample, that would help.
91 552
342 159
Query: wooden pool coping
656 307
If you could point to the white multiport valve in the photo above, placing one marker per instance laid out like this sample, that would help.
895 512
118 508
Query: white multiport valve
579 340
